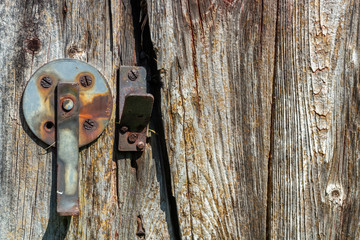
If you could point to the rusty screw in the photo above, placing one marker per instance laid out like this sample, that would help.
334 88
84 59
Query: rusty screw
124 129
132 138
140 229
140 145
67 104
46 82
33 44
133 74
89 124
85 81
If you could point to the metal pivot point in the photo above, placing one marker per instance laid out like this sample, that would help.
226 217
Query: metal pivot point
78 97
67 148
135 107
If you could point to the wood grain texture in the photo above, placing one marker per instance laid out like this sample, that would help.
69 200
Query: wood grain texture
315 151
260 110
259 103
102 34
216 59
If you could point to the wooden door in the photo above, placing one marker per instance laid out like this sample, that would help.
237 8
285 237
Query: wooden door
254 133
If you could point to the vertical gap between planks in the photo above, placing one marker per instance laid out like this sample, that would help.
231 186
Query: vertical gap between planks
145 56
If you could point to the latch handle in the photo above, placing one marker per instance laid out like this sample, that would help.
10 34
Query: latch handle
137 111
67 148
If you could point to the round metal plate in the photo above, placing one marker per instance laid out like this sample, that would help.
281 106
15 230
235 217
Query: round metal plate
39 102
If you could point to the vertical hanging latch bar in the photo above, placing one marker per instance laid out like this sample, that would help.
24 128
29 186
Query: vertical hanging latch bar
67 149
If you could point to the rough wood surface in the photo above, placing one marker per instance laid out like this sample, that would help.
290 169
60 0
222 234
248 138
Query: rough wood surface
315 152
216 60
102 34
255 126
260 106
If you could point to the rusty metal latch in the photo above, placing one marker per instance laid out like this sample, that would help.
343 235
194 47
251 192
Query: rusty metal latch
135 107
71 101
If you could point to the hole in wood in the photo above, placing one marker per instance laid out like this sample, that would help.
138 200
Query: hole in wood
335 193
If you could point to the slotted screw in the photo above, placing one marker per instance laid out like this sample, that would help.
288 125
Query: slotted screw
85 80
89 124
46 82
133 74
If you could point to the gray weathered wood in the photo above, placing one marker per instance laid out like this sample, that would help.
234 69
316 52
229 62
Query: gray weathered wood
259 102
216 59
91 31
315 151
260 110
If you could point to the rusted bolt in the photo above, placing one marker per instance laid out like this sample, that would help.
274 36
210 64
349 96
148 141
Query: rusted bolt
67 104
132 137
89 124
46 82
124 129
140 145
85 81
140 229
133 74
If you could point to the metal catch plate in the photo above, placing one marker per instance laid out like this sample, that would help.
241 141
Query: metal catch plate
95 100
135 107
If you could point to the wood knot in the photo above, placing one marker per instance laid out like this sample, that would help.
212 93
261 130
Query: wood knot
230 3
335 194
75 52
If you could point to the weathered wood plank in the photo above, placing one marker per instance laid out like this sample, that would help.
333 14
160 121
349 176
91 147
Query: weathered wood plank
216 60
315 154
102 35
259 102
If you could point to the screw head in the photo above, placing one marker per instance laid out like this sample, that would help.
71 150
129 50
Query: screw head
67 104
85 81
89 124
124 129
133 74
46 82
140 145
132 137
33 44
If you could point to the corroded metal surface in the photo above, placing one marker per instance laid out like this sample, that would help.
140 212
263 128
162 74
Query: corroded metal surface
95 100
135 107
67 127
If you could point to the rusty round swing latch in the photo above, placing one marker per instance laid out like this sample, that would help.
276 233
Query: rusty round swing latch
67 102
95 99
